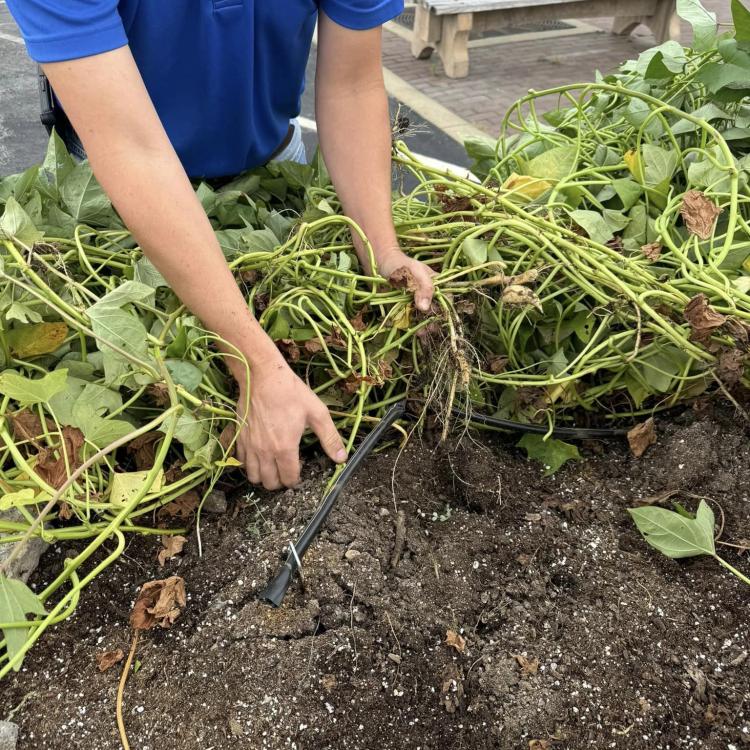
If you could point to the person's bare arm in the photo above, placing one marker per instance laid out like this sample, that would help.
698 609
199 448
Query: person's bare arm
106 100
355 137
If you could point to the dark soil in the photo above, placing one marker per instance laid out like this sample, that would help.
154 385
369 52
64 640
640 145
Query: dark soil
577 634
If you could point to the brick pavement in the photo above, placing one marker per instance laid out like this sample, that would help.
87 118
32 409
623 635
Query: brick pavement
502 73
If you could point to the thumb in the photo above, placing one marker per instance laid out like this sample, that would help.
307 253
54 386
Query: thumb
424 291
329 437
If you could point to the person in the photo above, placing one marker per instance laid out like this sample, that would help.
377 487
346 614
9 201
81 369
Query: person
162 92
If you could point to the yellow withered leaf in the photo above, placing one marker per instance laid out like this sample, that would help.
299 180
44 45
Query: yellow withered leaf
37 339
527 187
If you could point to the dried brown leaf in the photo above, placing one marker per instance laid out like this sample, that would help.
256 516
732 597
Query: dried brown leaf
171 547
652 251
159 393
143 449
289 349
182 507
540 745
52 468
313 346
731 366
226 437
26 426
641 437
528 666
699 214
703 319
403 278
358 321
158 603
497 364
455 640
107 659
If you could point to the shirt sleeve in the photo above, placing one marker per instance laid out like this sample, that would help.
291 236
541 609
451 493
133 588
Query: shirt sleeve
57 30
361 14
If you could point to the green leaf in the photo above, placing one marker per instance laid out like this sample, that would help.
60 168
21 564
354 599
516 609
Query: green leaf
146 273
555 164
673 534
184 373
702 21
628 191
552 453
83 197
663 61
474 250
23 313
659 165
16 601
189 431
27 391
16 224
24 183
600 227
130 291
57 165
741 19
114 326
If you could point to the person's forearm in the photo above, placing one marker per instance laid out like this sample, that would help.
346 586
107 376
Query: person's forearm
138 168
355 139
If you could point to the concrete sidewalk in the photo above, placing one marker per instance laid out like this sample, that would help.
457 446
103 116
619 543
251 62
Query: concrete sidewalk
504 68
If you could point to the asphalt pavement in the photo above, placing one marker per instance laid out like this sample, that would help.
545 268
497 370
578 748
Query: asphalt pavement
23 138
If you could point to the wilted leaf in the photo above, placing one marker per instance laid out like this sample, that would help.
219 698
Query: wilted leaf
313 346
641 437
26 496
125 485
158 603
16 601
357 323
699 214
171 547
455 640
552 453
652 251
674 535
703 319
107 659
497 364
529 188
34 340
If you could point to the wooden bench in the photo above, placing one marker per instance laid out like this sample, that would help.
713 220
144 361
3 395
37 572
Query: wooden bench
445 25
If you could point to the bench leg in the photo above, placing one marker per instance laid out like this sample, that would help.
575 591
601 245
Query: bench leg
664 24
426 34
454 44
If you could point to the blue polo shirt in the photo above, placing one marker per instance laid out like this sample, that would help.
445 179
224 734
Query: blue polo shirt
226 76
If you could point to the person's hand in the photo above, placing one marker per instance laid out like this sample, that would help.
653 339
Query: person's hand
282 407
420 281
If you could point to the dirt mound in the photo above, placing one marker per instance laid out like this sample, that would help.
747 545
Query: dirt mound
575 633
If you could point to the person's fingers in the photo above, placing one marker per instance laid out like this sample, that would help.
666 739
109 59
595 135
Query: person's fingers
269 474
288 467
425 290
252 466
330 440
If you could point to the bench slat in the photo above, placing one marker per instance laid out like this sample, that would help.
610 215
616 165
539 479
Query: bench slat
443 7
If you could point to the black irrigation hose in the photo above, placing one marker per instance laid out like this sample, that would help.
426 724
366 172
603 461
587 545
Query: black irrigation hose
277 587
